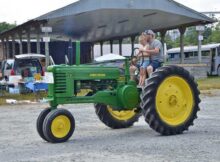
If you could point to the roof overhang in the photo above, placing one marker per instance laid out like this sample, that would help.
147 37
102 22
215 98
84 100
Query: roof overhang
98 20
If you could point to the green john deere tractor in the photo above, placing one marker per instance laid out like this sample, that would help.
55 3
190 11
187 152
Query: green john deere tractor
169 102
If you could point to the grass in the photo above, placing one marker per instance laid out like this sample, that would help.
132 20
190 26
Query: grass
20 97
209 83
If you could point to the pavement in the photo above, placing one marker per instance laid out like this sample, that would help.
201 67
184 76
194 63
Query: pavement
93 141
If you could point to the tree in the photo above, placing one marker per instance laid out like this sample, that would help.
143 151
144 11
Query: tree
4 26
211 35
215 34
191 37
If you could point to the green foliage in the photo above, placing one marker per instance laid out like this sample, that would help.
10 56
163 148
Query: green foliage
211 35
215 36
191 37
6 26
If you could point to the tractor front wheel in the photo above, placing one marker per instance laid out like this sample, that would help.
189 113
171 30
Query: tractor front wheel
40 121
58 126
116 119
170 100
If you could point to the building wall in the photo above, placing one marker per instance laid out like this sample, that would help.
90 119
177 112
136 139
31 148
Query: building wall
58 50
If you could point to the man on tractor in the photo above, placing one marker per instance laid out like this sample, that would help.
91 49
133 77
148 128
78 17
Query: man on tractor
152 56
155 51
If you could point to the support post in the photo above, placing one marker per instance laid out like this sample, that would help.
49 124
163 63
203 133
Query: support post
163 34
47 54
92 52
182 32
132 42
28 42
13 45
200 29
46 39
70 52
111 46
7 48
120 46
3 48
101 48
20 43
199 47
38 41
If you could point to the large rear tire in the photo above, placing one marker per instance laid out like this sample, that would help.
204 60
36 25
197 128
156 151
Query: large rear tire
170 100
116 119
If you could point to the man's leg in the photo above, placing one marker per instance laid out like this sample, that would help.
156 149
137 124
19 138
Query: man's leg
132 72
150 70
144 76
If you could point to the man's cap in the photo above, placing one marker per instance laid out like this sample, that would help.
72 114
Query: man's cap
149 32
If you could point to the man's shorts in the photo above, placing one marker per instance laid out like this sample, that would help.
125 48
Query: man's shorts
145 64
155 64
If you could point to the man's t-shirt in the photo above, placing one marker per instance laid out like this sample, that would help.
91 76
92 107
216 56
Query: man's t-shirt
156 44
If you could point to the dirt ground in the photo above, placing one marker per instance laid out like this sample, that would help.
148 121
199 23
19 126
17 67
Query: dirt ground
92 141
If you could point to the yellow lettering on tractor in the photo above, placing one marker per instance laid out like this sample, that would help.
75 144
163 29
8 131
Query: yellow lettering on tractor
97 75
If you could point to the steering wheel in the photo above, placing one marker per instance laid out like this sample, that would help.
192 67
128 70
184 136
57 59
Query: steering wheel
134 54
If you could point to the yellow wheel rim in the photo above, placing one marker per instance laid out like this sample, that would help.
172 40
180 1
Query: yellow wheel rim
122 115
60 126
174 101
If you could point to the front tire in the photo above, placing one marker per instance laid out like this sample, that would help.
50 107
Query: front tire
170 101
58 126
40 121
116 119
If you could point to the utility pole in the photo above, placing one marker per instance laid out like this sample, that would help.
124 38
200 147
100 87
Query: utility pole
200 30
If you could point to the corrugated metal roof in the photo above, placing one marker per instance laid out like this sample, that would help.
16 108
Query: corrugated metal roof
194 48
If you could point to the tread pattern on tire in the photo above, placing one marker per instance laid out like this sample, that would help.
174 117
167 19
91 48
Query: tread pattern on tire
40 121
48 121
105 117
149 94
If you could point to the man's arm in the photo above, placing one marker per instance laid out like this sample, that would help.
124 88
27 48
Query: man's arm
143 53
154 51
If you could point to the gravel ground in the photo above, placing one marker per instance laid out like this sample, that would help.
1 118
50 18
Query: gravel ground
92 141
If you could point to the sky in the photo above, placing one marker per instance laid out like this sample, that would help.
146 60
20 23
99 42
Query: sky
20 11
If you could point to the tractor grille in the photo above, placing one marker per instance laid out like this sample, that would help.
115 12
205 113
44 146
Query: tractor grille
60 83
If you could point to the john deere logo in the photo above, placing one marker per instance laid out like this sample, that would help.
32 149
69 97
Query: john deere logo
97 75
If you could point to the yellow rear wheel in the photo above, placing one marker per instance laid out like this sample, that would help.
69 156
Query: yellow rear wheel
116 119
170 100
58 126
174 101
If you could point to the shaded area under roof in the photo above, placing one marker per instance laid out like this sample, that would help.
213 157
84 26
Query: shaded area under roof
100 20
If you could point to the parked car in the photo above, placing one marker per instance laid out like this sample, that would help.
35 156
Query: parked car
26 65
